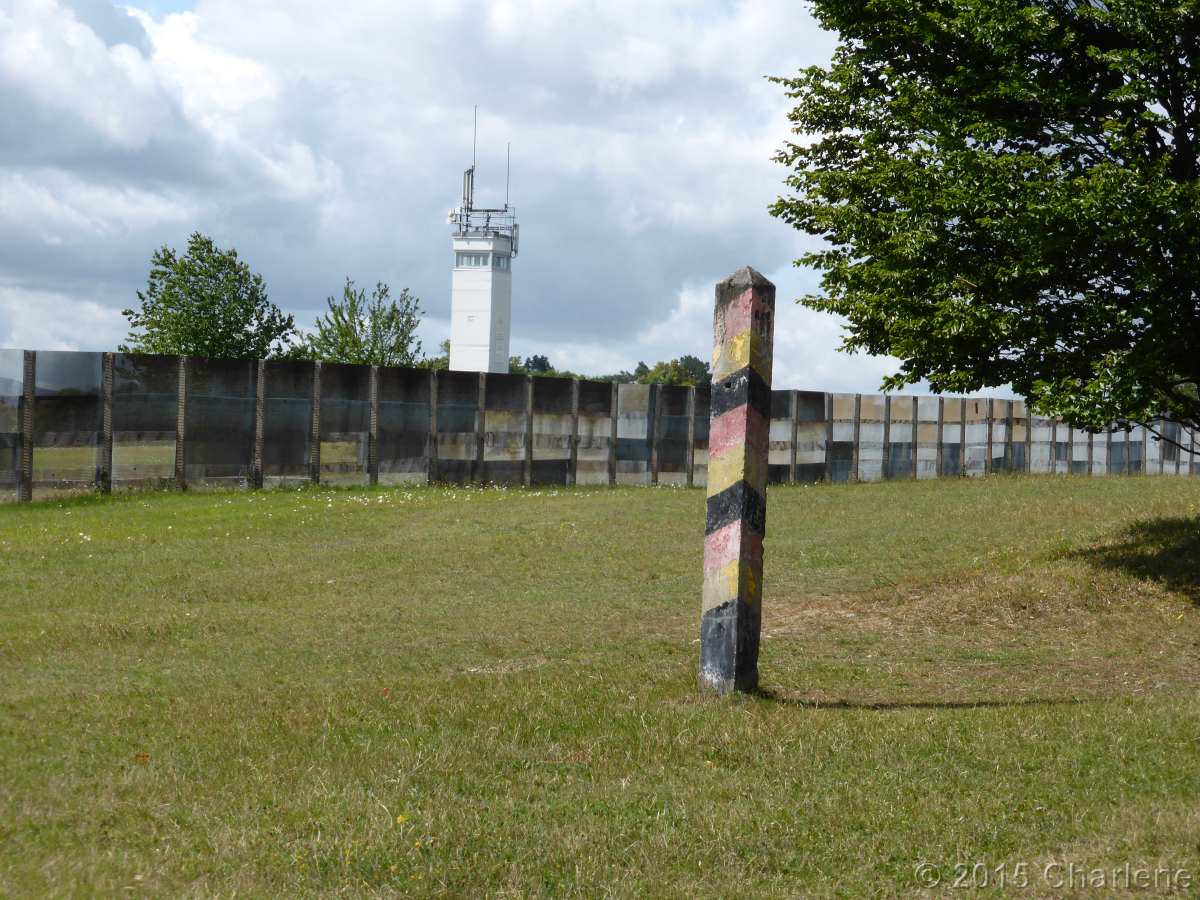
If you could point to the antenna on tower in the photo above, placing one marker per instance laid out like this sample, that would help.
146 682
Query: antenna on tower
475 136
507 171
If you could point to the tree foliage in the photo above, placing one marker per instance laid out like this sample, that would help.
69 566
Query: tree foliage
374 331
206 303
687 371
1008 192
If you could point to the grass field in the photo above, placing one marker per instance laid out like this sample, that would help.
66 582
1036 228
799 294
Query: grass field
491 692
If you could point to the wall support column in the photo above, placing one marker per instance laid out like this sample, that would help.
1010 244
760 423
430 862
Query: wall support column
614 410
1009 452
793 450
104 470
654 424
829 438
739 439
260 406
690 455
941 436
314 447
991 419
962 438
181 425
28 399
573 447
432 475
527 463
885 469
480 427
856 446
916 436
373 428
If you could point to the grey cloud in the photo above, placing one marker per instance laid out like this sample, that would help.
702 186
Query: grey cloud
325 144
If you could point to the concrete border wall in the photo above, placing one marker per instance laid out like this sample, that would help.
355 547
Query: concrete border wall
115 421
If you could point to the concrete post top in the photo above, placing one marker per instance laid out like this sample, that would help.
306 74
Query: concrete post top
745 277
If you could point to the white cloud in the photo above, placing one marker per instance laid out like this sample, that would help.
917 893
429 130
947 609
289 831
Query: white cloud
48 320
64 66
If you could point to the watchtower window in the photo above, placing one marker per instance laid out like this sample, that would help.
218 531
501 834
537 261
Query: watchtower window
472 260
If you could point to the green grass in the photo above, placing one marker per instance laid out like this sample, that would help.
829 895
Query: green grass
466 692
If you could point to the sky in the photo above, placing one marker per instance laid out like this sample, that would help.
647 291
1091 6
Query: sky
327 141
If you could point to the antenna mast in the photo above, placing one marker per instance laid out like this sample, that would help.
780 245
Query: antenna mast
507 171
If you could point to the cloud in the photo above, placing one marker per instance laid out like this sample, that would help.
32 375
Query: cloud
324 142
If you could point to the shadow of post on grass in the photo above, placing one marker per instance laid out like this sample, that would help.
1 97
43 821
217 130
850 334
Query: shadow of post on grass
1165 550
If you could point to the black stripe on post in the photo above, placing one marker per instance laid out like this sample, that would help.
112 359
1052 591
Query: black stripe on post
738 501
744 386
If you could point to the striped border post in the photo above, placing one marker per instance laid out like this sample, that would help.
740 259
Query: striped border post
739 435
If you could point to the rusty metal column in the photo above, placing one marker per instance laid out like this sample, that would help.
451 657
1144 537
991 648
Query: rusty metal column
654 425
941 434
962 438
1009 454
260 407
573 447
314 448
793 450
527 461
181 425
916 436
739 438
28 399
829 438
885 468
104 470
855 447
690 455
480 427
991 422
612 441
373 428
432 472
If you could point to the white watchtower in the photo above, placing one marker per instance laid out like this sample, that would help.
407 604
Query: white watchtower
485 242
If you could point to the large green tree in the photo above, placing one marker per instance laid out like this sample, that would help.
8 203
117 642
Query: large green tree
206 302
375 330
1008 192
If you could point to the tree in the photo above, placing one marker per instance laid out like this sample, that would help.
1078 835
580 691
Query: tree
1009 194
438 363
378 331
206 303
538 365
687 371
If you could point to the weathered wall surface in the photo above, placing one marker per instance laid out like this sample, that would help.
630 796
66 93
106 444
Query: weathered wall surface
98 421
